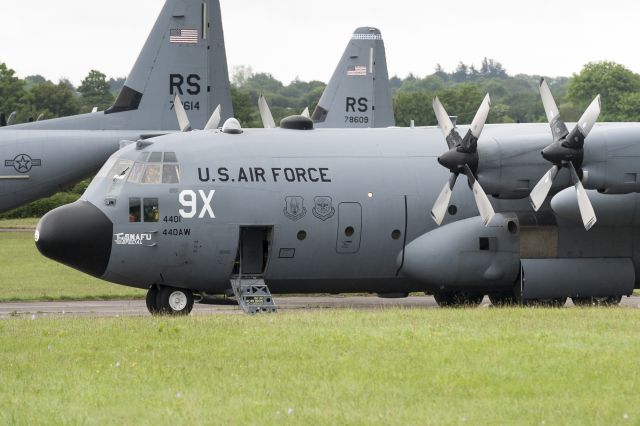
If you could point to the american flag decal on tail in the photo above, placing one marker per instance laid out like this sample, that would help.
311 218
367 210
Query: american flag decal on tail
182 36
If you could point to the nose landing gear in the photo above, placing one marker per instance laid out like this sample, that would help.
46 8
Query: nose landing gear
162 300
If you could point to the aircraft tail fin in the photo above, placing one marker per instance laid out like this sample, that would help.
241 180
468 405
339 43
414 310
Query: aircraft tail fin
184 55
358 94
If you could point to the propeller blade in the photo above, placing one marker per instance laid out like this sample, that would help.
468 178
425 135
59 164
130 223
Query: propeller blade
586 209
265 114
215 119
183 119
94 110
481 117
441 205
542 188
306 113
11 119
470 141
590 116
40 117
482 201
450 134
558 128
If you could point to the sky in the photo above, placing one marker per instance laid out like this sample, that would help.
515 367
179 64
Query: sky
305 39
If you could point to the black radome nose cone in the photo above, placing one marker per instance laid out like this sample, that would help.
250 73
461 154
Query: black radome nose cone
78 235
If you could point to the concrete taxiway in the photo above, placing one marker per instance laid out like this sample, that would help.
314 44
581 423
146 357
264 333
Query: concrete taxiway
132 308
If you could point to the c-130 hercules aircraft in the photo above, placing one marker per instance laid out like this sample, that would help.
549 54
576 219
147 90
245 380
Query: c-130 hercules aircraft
255 211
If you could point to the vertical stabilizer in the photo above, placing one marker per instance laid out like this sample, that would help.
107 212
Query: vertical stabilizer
358 94
184 55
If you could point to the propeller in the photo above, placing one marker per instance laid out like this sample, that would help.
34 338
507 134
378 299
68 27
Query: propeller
306 113
183 119
567 150
265 113
214 121
40 117
462 158
11 119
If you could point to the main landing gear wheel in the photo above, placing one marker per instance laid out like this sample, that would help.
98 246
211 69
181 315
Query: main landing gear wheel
458 300
170 301
152 300
597 301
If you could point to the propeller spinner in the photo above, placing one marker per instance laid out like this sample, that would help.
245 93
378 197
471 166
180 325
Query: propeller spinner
567 150
462 158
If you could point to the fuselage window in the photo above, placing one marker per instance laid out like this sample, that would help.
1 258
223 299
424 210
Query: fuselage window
151 210
152 174
135 210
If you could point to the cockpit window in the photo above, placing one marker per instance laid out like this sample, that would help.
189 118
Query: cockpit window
119 173
134 210
156 168
152 173
155 157
151 210
107 167
170 173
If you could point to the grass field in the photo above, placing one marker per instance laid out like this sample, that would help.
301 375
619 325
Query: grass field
29 223
27 275
483 366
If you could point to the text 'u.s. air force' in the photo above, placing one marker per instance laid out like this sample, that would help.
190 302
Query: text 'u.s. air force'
262 175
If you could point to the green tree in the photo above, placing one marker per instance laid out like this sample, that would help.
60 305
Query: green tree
11 90
52 100
609 79
95 91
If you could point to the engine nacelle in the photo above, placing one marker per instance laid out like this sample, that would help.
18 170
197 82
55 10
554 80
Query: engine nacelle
466 255
611 210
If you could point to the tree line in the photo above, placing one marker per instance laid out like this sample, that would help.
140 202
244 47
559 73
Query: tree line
515 98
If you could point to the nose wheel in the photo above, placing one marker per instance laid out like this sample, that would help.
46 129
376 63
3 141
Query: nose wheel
169 301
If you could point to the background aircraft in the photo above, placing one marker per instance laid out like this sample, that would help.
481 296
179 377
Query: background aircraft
184 54
358 94
329 211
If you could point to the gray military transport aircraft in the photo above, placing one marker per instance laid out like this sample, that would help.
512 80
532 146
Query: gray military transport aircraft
184 54
255 211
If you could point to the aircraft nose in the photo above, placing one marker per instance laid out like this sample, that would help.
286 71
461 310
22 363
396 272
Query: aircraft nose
78 235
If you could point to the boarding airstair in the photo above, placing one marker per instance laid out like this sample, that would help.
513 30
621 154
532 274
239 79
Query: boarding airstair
253 295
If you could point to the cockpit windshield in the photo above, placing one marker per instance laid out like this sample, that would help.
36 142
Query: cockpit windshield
156 168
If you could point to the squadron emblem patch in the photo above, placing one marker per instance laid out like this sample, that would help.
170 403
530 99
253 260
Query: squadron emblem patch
323 208
294 208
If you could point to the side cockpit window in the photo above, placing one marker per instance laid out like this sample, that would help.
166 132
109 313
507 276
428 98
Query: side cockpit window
156 168
146 210
135 210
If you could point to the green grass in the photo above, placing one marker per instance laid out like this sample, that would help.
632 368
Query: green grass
482 366
27 275
29 223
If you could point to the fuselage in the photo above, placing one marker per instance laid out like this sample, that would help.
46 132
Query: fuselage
320 210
